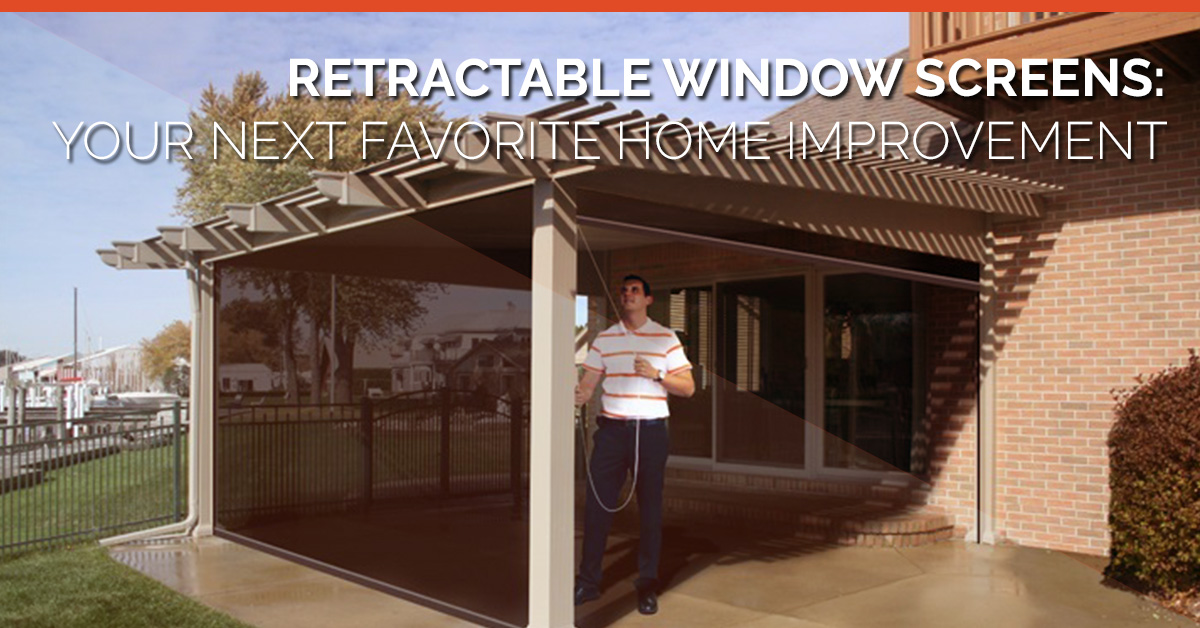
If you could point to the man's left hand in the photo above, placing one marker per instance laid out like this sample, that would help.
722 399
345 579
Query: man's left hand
642 367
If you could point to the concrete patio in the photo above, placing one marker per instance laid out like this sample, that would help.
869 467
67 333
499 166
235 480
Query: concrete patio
717 579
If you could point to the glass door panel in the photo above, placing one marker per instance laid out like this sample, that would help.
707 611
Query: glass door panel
760 383
869 367
688 311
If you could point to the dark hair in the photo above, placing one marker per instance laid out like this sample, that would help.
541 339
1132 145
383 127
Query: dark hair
645 284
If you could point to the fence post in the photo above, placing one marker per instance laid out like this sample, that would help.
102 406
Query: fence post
22 398
10 434
516 429
176 429
60 414
445 441
368 433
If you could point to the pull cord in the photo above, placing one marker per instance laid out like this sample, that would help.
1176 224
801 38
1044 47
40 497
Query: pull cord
637 438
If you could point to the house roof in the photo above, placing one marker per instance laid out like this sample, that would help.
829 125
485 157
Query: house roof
822 114
411 184
34 364
516 354
107 352
495 320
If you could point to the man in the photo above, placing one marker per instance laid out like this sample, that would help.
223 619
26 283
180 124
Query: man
641 362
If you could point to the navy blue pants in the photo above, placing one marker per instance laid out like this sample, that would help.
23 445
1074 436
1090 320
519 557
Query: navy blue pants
612 461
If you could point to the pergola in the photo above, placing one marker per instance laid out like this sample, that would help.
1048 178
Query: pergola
910 205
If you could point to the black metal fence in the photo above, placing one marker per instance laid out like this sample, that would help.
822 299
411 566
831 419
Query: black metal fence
68 481
284 460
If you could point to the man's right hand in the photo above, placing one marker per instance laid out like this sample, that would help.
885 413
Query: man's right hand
586 386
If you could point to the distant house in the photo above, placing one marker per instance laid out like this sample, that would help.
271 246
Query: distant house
494 366
117 370
425 360
37 370
243 378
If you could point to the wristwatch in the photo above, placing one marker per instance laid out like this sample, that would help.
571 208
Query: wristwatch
658 377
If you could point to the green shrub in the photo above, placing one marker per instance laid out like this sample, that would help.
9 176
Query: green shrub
1154 453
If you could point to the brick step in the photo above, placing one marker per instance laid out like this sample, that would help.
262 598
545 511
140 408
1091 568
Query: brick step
900 492
823 518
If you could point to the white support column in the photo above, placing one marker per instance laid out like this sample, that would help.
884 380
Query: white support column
202 397
551 426
985 527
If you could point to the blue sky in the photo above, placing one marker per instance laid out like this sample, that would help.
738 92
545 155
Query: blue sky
147 68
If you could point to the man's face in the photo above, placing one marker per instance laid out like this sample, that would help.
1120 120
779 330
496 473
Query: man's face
634 298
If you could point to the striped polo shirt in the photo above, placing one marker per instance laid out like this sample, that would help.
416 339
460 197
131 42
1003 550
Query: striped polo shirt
627 395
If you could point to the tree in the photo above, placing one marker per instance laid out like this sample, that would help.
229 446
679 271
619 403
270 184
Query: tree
229 179
248 334
265 322
165 356
367 309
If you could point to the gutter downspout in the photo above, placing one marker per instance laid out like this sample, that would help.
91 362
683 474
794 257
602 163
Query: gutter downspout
182 528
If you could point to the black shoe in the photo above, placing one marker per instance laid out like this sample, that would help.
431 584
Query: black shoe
585 594
647 602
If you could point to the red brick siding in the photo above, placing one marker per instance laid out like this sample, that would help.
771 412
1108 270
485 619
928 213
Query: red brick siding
1105 286
951 401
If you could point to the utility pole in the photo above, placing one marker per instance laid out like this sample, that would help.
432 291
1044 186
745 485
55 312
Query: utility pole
75 356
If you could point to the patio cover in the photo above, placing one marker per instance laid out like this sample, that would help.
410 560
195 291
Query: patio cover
405 185
911 205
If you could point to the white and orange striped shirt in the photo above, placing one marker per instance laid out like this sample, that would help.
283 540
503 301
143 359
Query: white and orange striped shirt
627 395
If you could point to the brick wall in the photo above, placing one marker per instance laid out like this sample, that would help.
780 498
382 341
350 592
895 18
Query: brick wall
1105 286
951 401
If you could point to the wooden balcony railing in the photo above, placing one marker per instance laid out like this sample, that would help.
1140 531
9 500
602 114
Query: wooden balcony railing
933 33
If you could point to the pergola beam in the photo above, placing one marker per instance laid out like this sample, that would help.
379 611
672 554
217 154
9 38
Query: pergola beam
151 254
112 258
172 235
470 187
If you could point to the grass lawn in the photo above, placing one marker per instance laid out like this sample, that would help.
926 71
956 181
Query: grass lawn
97 498
85 588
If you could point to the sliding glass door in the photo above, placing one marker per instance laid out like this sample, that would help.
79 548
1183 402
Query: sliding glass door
872 367
688 311
761 372
752 343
